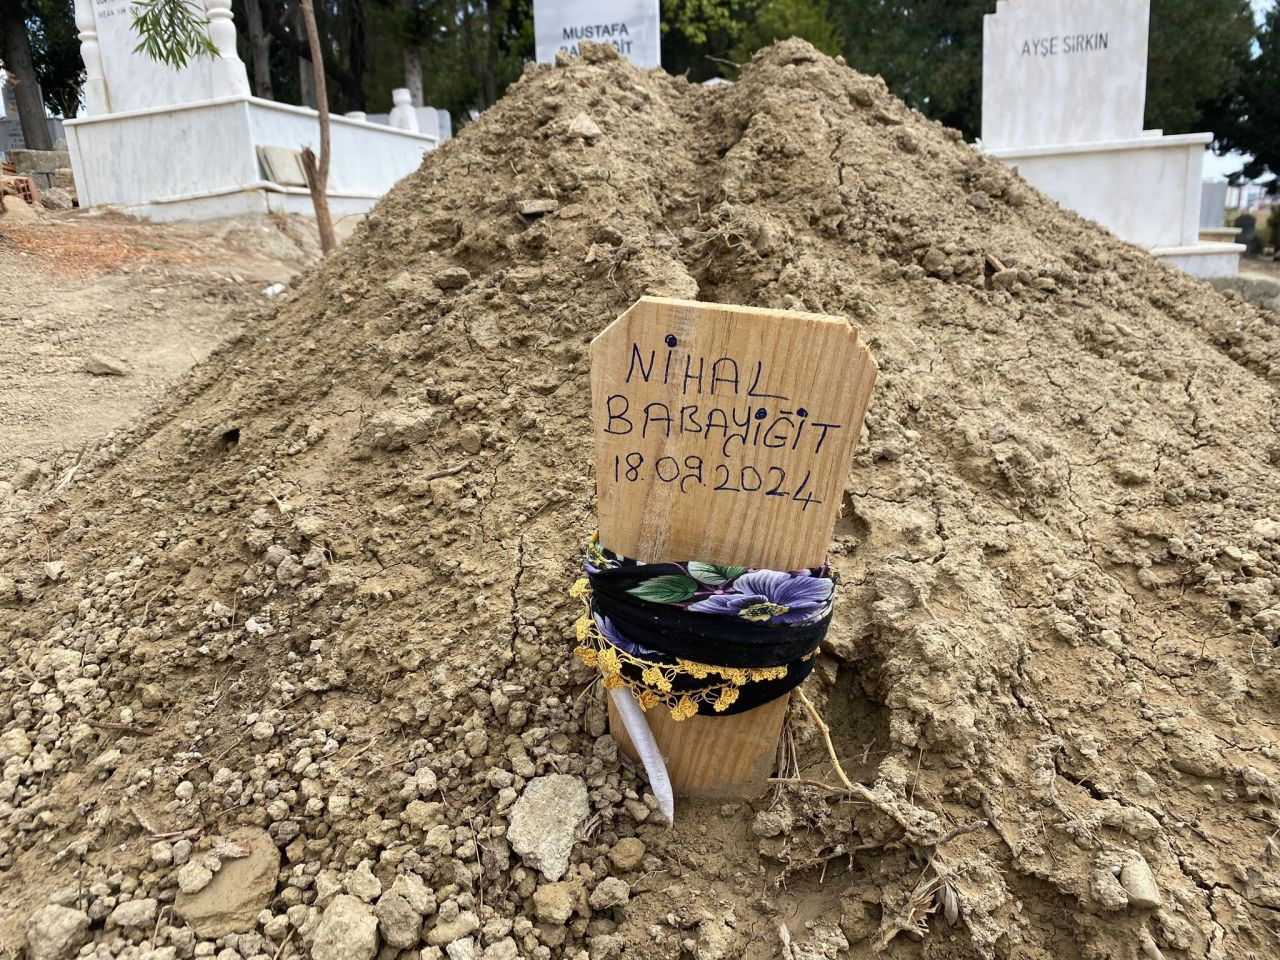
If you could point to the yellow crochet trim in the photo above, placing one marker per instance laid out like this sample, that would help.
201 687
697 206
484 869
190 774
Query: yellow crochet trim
655 685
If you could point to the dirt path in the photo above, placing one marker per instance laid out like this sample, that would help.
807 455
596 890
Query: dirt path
154 298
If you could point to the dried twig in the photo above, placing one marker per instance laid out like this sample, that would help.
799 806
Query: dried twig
826 735
447 472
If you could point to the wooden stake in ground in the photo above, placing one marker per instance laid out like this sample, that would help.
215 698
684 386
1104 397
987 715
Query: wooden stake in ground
724 434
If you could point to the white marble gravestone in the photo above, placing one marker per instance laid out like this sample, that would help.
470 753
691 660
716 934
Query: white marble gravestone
1063 71
187 144
1063 100
633 26
119 78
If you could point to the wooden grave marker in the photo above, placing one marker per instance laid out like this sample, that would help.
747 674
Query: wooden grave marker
723 434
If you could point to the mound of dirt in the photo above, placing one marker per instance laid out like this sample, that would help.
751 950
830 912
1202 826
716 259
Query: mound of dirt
322 592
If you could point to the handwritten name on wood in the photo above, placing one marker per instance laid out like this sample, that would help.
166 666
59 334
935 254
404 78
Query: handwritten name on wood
725 433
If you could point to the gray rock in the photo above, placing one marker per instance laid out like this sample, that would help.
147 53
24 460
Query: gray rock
504 949
347 930
26 474
447 931
56 198
398 922
135 914
1140 883
452 278
464 949
414 889
231 902
537 207
194 876
56 933
362 883
609 892
582 127
101 366
544 822
1107 891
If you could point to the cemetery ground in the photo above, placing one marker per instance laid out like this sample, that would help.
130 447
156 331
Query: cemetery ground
286 663
101 313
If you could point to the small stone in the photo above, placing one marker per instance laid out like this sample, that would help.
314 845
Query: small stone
100 366
347 930
716 941
544 822
471 440
464 949
398 922
362 883
162 853
135 914
627 854
448 931
194 876
16 742
979 200
609 892
582 127
1107 891
415 890
536 208
553 902
56 933
452 278
504 949
1140 883
26 474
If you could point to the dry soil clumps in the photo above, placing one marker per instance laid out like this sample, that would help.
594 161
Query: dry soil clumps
321 593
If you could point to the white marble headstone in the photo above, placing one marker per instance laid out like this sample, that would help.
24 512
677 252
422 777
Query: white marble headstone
131 80
1063 71
633 26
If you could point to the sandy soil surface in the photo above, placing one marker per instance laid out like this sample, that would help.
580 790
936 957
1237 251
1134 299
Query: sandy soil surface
148 300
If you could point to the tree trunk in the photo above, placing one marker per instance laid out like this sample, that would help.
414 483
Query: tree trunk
260 45
306 72
17 60
413 73
318 174
357 55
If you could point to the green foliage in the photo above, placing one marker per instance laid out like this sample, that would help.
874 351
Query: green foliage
928 51
172 31
698 33
55 47
1249 118
670 589
1198 51
714 574
700 20
781 19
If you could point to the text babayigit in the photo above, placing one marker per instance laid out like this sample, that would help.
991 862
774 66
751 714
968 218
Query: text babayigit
730 408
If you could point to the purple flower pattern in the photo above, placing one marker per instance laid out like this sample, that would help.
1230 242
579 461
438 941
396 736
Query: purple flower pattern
771 596
755 595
